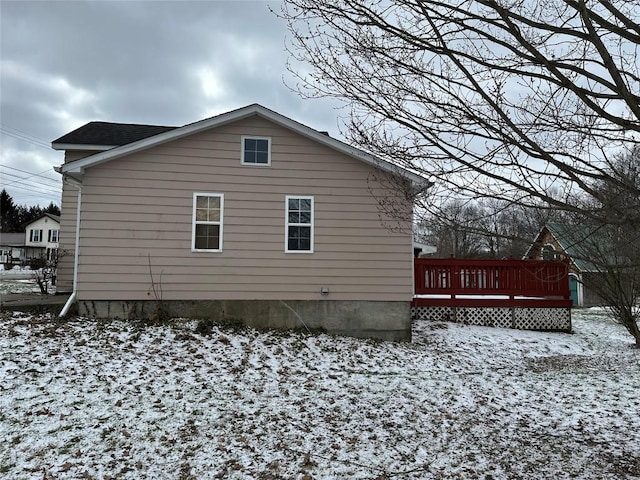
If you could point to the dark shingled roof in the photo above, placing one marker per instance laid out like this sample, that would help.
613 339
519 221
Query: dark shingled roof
12 239
112 134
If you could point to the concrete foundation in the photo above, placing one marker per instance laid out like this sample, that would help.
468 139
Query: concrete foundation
364 319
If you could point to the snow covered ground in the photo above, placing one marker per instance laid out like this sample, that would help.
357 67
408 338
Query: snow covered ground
18 280
111 400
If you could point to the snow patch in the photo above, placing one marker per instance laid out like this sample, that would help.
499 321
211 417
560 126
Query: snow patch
92 399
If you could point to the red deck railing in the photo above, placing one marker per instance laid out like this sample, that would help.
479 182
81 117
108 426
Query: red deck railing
461 282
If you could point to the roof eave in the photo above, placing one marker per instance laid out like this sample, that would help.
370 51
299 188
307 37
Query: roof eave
77 166
536 240
80 146
40 217
342 147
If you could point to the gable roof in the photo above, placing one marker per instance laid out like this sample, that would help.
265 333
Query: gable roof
55 218
571 238
78 166
106 135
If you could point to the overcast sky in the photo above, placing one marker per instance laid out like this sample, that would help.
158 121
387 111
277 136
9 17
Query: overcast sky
64 64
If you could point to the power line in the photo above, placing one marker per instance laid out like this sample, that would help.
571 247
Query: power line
20 180
32 183
31 174
25 137
39 192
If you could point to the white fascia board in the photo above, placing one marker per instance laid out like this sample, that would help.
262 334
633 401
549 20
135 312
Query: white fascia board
76 146
426 248
78 166
531 245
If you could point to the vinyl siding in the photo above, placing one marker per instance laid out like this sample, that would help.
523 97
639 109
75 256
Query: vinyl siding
44 224
138 209
66 249
68 211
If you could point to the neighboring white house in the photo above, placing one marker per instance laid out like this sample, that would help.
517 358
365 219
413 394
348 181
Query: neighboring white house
42 237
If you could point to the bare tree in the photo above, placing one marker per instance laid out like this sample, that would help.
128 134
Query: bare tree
612 249
453 232
487 228
504 100
616 280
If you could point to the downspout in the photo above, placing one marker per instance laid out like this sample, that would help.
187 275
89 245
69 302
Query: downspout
74 293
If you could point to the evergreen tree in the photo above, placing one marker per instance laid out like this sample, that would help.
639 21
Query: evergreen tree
7 212
15 216
53 209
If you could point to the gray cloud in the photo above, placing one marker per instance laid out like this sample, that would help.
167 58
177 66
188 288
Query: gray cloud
170 63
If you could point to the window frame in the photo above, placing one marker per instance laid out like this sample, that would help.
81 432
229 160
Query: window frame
32 236
552 250
242 151
54 235
195 222
311 224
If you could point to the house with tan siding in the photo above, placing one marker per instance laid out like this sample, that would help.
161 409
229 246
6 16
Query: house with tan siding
247 217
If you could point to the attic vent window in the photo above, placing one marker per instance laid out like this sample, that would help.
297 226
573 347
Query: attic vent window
256 151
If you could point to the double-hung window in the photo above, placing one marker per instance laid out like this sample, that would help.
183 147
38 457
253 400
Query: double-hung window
53 236
299 224
35 236
207 222
256 151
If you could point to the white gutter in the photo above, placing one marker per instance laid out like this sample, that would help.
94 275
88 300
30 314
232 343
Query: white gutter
70 301
74 294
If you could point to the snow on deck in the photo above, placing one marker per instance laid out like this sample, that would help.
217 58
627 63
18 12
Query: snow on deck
107 400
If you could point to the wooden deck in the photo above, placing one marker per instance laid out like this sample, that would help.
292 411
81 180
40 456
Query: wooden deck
454 282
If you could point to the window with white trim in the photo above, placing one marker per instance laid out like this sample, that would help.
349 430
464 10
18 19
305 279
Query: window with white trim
53 236
549 252
256 150
207 222
35 236
299 224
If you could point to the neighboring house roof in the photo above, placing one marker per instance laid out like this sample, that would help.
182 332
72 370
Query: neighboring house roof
571 238
55 218
171 133
12 239
106 135
425 247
